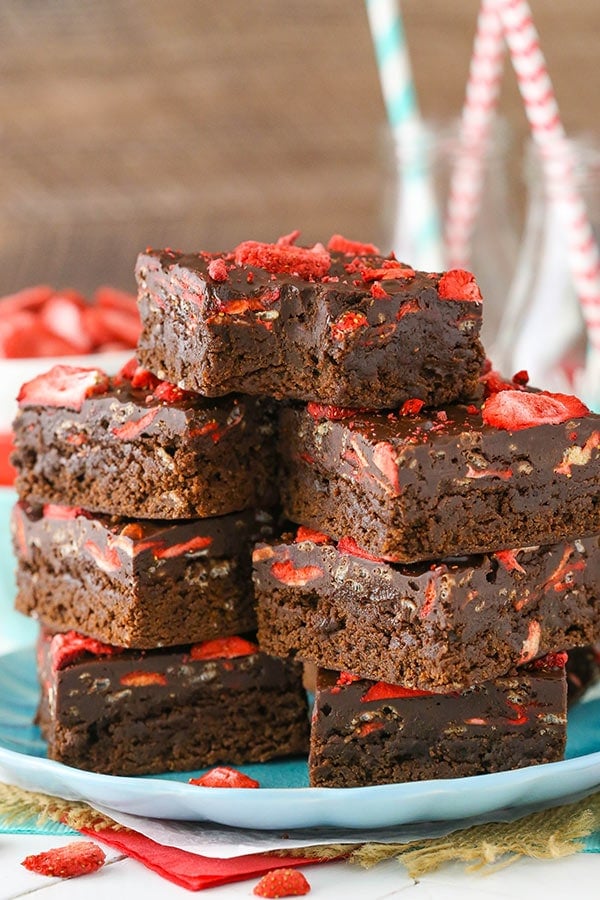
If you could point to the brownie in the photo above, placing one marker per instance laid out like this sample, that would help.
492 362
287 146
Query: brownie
343 325
134 446
136 583
421 484
133 712
365 732
438 627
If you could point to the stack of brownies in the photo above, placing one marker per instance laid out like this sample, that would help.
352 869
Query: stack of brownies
445 550
139 506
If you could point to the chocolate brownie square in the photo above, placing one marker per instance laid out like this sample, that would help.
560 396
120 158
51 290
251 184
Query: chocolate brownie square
522 468
136 446
437 627
341 324
136 583
135 712
366 732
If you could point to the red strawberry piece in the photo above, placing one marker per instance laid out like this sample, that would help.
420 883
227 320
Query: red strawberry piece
70 861
121 326
521 718
411 306
53 511
508 559
225 777
71 646
131 429
378 292
194 545
493 383
515 410
62 315
285 572
66 386
389 271
95 326
217 269
170 393
521 377
30 298
381 690
348 323
348 546
133 531
550 661
106 559
412 407
309 534
141 379
305 262
127 371
531 644
339 244
457 284
282 883
344 679
109 297
385 460
286 240
326 411
223 648
369 727
142 679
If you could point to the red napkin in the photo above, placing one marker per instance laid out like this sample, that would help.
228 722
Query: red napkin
189 870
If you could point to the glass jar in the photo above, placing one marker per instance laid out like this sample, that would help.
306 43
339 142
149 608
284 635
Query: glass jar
542 329
425 160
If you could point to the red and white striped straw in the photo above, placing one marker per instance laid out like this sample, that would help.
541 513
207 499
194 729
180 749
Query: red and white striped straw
481 99
556 156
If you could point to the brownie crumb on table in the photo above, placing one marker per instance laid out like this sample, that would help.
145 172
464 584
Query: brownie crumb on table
341 324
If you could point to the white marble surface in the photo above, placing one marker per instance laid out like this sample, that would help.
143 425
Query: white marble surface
332 881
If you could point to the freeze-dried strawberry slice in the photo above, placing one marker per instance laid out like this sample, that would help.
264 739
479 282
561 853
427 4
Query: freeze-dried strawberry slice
287 573
515 410
30 298
120 325
347 324
194 545
339 244
282 883
217 269
170 393
71 646
142 679
309 534
412 407
223 648
550 661
225 776
326 411
54 511
457 284
305 262
66 386
70 861
63 316
109 297
131 429
348 546
381 690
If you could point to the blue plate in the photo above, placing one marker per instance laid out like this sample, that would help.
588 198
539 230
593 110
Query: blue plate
284 800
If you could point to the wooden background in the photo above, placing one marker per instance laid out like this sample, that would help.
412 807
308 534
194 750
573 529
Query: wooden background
199 123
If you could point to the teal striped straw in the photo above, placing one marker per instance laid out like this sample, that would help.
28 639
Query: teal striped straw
417 233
